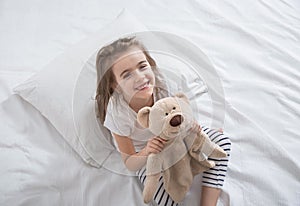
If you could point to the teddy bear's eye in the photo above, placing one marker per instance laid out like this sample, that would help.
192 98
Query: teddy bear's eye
166 114
174 108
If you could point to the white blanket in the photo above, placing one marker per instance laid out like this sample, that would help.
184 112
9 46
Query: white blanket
253 45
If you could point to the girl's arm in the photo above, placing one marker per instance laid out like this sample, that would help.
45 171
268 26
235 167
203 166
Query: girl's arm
136 160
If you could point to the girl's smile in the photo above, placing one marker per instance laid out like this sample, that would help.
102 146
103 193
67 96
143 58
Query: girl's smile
134 77
143 86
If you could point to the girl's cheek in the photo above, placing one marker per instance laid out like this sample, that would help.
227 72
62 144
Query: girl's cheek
124 82
127 84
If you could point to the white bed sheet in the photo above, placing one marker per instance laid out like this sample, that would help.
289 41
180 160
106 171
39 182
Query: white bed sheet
254 46
39 168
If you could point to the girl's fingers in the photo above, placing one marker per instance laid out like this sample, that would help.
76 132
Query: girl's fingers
153 148
160 140
156 145
200 128
195 127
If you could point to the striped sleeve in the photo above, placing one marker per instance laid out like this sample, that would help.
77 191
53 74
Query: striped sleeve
215 176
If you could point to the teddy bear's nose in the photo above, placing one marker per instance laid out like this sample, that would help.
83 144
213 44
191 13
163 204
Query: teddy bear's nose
176 120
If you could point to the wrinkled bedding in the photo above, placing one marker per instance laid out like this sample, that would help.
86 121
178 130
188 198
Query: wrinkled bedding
254 47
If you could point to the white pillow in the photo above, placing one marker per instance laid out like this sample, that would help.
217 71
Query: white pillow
64 90
52 89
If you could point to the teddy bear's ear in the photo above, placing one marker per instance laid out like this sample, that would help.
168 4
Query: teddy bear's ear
182 96
143 116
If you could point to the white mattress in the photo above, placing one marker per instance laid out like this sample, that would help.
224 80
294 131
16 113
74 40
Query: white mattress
253 45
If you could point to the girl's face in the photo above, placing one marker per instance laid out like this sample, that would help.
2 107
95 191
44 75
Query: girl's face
134 76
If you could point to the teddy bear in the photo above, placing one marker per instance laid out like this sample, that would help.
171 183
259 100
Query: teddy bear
186 152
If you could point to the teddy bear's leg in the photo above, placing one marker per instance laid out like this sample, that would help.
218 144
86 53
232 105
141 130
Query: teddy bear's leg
208 163
150 187
211 149
178 179
218 152
202 160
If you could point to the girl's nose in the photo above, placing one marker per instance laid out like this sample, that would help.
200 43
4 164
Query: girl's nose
139 75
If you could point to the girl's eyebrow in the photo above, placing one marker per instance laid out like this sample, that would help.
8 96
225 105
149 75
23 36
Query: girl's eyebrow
141 62
126 70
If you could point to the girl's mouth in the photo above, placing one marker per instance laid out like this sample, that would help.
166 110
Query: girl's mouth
146 85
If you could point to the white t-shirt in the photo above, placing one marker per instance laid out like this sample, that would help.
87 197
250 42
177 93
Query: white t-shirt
122 120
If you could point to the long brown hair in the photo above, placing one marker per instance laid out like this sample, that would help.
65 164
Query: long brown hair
105 77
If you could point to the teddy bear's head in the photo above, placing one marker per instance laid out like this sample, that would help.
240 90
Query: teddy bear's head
168 117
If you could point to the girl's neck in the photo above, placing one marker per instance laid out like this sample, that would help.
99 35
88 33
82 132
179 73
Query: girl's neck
137 104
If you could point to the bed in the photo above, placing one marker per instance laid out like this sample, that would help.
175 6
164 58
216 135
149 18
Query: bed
252 51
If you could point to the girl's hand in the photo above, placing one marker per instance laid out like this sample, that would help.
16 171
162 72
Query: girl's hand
195 127
155 145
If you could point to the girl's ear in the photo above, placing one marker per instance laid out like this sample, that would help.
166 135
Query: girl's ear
143 117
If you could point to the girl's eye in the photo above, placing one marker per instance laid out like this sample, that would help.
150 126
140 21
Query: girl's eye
127 75
144 67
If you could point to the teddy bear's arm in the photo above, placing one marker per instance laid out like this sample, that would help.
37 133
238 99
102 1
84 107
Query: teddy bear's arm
211 149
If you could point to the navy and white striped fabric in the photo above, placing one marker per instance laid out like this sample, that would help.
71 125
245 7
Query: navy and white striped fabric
213 177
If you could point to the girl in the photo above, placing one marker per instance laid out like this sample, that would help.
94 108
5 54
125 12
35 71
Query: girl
128 80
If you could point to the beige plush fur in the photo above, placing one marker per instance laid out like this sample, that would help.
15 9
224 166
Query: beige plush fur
185 153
